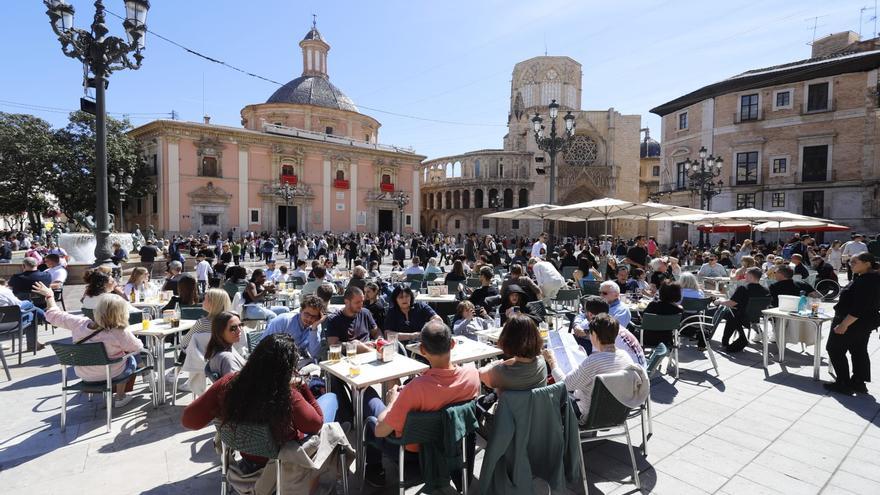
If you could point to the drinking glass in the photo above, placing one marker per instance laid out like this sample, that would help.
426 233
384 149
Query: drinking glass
145 323
335 354
354 368
351 348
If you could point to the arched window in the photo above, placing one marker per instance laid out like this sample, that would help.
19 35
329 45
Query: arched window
456 200
287 170
439 201
430 201
493 197
340 175
466 199
523 198
448 170
456 169
477 171
448 200
478 198
508 198
386 179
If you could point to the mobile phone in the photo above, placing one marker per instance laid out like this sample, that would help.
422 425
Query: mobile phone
516 309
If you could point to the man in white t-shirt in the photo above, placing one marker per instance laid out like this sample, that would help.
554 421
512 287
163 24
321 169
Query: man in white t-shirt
539 245
851 248
58 272
203 272
547 277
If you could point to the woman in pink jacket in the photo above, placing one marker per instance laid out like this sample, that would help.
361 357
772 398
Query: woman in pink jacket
109 328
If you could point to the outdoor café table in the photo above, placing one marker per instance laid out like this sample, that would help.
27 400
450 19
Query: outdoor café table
151 305
373 372
156 344
785 316
491 334
425 298
465 350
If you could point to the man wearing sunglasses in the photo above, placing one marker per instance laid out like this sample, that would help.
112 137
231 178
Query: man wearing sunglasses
302 326
712 268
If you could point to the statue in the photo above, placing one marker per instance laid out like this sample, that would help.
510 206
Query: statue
55 233
151 234
136 238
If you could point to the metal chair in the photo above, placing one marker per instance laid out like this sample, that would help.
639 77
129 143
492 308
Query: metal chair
667 324
94 354
192 312
590 287
828 288
253 338
430 277
255 439
88 313
607 413
701 323
337 299
473 283
453 287
644 411
412 277
10 324
568 271
754 309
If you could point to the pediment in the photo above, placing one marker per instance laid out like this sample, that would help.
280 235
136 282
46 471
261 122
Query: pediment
210 194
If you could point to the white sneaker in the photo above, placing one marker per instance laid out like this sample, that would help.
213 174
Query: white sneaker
169 377
124 401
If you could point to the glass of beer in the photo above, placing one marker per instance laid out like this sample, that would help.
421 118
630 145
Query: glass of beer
814 307
354 368
145 323
544 330
351 348
335 354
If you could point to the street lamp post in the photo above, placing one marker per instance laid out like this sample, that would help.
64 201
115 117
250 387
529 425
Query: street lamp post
401 199
287 192
101 55
553 143
496 202
701 180
122 183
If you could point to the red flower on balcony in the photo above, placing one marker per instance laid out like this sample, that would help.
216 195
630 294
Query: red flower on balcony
386 187
289 179
340 184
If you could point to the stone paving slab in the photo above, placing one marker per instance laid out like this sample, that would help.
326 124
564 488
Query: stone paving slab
749 431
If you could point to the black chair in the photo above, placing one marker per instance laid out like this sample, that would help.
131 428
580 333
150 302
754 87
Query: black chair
192 312
337 299
10 324
754 308
253 338
606 414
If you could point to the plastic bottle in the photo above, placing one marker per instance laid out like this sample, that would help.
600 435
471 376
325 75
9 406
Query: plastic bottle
802 303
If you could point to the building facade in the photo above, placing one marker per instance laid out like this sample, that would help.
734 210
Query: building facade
308 135
602 160
800 137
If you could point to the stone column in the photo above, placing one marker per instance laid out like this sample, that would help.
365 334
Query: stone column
353 197
173 185
325 196
243 213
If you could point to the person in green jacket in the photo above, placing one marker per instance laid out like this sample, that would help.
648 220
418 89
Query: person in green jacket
235 248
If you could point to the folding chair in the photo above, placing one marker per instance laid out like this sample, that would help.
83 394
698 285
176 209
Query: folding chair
701 323
644 411
607 413
568 271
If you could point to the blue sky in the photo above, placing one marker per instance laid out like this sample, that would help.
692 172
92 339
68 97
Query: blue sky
443 60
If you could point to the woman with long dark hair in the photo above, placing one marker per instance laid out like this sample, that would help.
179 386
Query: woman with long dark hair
457 273
267 390
222 358
407 316
856 315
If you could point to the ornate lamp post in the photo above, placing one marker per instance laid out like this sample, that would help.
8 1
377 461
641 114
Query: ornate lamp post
701 180
101 55
553 143
122 184
287 192
401 199
496 202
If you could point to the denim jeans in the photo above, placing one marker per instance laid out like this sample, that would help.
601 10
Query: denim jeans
29 322
329 405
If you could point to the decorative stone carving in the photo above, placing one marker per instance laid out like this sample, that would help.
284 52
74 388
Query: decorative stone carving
518 106
581 151
210 195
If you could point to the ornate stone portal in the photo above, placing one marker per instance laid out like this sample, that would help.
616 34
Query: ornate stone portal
210 208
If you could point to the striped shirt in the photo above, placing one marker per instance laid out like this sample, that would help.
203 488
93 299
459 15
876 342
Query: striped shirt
580 381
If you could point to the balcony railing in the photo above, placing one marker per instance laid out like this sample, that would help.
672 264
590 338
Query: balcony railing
386 187
340 184
289 179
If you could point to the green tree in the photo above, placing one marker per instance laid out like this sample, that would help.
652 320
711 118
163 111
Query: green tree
28 149
75 183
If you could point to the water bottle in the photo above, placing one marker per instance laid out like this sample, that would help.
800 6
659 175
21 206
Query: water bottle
802 303
497 321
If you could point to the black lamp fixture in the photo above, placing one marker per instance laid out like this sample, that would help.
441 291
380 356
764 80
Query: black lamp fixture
702 177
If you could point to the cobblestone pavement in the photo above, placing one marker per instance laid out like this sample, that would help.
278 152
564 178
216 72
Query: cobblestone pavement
750 430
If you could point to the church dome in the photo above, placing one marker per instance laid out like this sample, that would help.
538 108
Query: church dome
649 149
313 90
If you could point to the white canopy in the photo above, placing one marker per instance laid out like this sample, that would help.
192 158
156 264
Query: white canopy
598 209
532 212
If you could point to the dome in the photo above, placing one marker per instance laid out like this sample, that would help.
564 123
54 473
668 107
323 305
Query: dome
313 90
649 149
313 34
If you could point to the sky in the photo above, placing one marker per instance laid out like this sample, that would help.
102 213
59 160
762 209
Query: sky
436 74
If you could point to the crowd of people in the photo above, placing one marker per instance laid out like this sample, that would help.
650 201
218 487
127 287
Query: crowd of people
510 275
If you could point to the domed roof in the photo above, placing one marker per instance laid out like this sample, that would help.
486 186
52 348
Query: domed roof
649 149
313 90
313 34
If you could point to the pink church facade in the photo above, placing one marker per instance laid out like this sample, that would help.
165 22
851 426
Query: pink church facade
308 135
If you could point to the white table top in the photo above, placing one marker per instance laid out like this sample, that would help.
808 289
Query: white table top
465 350
150 303
159 328
374 371
493 334
779 313
425 298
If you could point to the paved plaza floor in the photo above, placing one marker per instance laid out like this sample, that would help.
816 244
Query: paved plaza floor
749 431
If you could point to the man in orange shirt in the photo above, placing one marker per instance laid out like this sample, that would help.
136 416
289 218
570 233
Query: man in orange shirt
443 384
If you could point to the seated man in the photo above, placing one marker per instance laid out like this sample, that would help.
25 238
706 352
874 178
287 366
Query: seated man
441 385
173 276
624 283
415 268
785 286
302 326
358 276
312 285
797 264
625 341
478 297
712 268
7 298
21 283
300 270
610 292
55 270
606 358
270 270
120 255
663 269
824 271
736 319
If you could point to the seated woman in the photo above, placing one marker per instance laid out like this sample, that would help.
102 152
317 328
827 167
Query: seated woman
525 368
690 286
137 282
100 283
221 357
640 276
267 390
187 293
406 316
235 276
216 302
254 295
457 273
746 262
467 322
432 266
516 302
670 295
109 328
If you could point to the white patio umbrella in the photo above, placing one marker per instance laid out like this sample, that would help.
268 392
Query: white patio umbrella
591 210
807 226
657 211
531 212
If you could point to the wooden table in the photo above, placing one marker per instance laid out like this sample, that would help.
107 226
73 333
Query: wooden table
465 350
156 344
373 372
783 317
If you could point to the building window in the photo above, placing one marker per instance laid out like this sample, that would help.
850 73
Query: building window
655 171
514 224
485 223
209 167
814 203
465 199
817 97
155 164
457 224
140 206
745 200
448 200
340 175
500 170
682 120
367 138
523 198
287 170
680 176
783 100
815 163
508 198
210 219
478 198
407 220
747 168
477 171
328 130
386 178
780 166
778 200
254 215
155 203
748 107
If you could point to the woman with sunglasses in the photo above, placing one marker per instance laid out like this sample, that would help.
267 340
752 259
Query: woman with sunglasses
220 354
856 315
407 316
